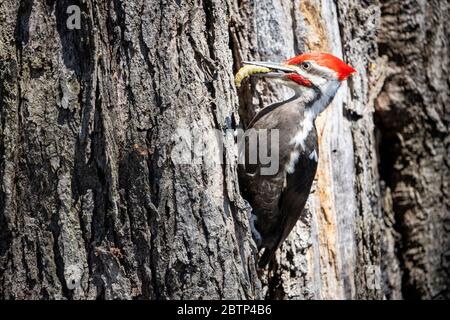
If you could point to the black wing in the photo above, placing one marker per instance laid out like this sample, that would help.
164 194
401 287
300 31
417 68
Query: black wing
293 199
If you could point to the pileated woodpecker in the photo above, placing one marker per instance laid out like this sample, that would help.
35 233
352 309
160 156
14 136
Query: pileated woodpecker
278 200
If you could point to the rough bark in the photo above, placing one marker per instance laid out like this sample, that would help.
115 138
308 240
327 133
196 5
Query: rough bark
94 205
334 253
89 190
413 120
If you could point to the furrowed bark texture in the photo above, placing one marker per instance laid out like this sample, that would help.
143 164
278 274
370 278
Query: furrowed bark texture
95 202
92 204
413 116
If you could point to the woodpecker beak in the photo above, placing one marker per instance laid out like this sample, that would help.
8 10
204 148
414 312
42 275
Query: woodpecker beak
262 69
278 70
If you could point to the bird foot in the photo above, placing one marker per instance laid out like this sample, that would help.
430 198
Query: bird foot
252 219
247 207
256 235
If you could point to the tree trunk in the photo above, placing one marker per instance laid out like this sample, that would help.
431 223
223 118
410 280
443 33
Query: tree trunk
335 252
92 204
95 201
413 120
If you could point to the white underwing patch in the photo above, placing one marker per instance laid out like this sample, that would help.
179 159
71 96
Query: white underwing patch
313 155
307 125
293 159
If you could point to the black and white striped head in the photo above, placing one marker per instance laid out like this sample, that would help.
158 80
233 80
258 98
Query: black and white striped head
316 70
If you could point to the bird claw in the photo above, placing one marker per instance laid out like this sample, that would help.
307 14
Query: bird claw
252 219
256 235
248 208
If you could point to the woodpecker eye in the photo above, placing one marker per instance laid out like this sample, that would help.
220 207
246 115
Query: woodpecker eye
306 66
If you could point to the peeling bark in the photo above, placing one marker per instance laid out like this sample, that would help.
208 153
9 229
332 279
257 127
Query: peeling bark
334 253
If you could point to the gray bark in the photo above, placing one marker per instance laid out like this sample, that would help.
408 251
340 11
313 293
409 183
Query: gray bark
413 124
93 204
89 190
335 251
